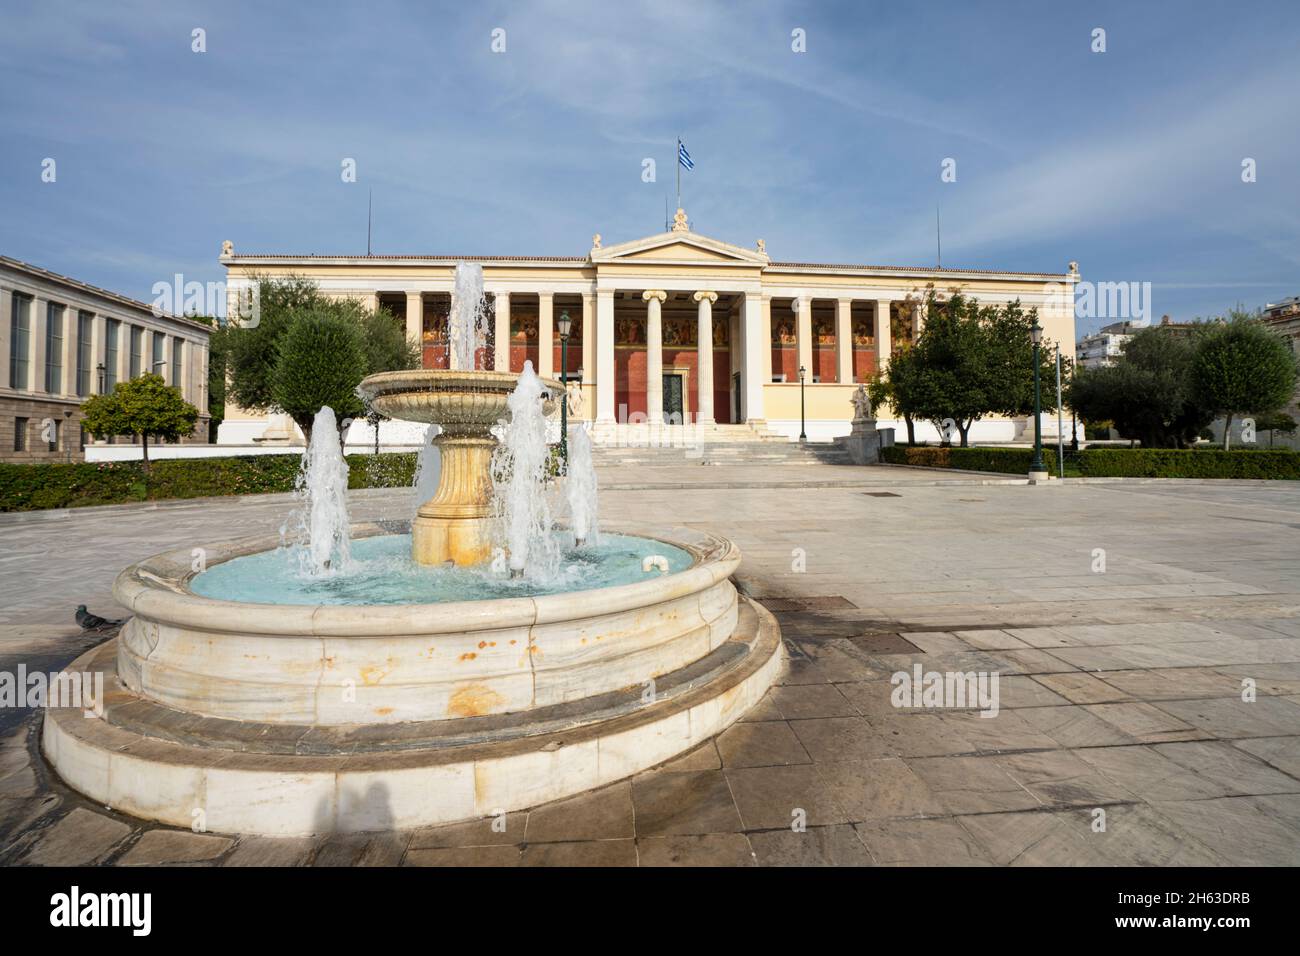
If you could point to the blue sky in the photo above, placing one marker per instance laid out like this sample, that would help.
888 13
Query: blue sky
1128 161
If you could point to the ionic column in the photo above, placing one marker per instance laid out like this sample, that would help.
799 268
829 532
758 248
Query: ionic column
605 356
588 336
844 341
757 339
766 335
883 346
803 335
415 320
704 358
545 334
654 364
501 332
918 320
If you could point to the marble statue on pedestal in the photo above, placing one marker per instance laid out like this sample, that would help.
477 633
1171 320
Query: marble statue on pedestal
864 441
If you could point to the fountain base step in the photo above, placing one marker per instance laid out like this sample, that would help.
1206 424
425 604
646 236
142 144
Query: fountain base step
233 776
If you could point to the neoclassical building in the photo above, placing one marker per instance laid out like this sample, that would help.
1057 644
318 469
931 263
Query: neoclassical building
676 327
63 340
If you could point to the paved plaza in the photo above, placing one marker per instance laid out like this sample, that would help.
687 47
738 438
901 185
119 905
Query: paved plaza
1124 619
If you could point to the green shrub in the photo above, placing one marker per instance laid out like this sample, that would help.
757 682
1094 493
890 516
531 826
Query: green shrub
1109 462
1189 463
61 485
1009 461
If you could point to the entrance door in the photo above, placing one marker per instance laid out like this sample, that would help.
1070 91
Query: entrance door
673 409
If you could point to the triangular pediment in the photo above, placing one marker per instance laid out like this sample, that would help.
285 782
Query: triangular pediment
679 247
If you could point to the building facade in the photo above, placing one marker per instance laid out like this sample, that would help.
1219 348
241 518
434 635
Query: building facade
676 327
62 341
1104 346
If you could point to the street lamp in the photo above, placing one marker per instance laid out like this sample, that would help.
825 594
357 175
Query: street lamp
565 325
803 434
1037 470
102 371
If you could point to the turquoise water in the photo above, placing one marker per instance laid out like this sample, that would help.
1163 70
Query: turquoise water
381 572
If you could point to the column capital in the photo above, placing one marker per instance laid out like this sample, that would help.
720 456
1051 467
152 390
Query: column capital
649 294
703 294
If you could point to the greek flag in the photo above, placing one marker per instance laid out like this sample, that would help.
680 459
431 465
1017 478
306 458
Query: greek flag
684 157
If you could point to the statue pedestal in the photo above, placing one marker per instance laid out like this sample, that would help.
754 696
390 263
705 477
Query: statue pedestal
863 442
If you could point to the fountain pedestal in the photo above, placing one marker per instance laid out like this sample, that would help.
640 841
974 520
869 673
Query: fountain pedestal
453 525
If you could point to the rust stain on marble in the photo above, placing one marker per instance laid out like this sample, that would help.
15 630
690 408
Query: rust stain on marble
474 700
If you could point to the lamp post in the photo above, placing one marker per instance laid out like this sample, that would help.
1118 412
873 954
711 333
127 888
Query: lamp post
101 370
803 435
1037 470
565 325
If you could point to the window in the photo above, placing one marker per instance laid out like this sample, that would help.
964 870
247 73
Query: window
178 346
159 362
20 342
54 434
111 334
137 350
54 348
85 346
20 434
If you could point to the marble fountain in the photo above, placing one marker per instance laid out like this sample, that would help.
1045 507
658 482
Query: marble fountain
366 677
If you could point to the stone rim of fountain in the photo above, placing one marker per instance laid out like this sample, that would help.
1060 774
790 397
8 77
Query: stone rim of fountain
160 584
414 662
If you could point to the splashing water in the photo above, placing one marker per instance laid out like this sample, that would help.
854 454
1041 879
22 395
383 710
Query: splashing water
580 489
322 541
428 469
521 510
468 325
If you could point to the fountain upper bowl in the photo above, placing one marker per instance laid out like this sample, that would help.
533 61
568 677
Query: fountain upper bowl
462 402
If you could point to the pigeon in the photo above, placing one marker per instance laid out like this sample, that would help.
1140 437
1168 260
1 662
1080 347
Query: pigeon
93 622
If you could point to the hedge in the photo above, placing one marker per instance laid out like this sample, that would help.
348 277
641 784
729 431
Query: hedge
1011 461
1109 462
1189 463
61 485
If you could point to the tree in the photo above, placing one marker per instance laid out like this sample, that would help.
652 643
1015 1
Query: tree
1148 393
387 347
970 360
1242 367
320 360
141 407
259 375
1276 422
252 347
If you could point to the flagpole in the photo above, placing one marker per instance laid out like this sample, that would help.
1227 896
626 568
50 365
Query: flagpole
678 163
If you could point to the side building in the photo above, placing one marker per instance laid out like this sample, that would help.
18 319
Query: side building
62 341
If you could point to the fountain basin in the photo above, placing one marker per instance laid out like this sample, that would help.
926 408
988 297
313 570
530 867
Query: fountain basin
453 525
332 664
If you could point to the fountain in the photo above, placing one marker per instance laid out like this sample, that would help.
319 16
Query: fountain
394 678
580 488
321 520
